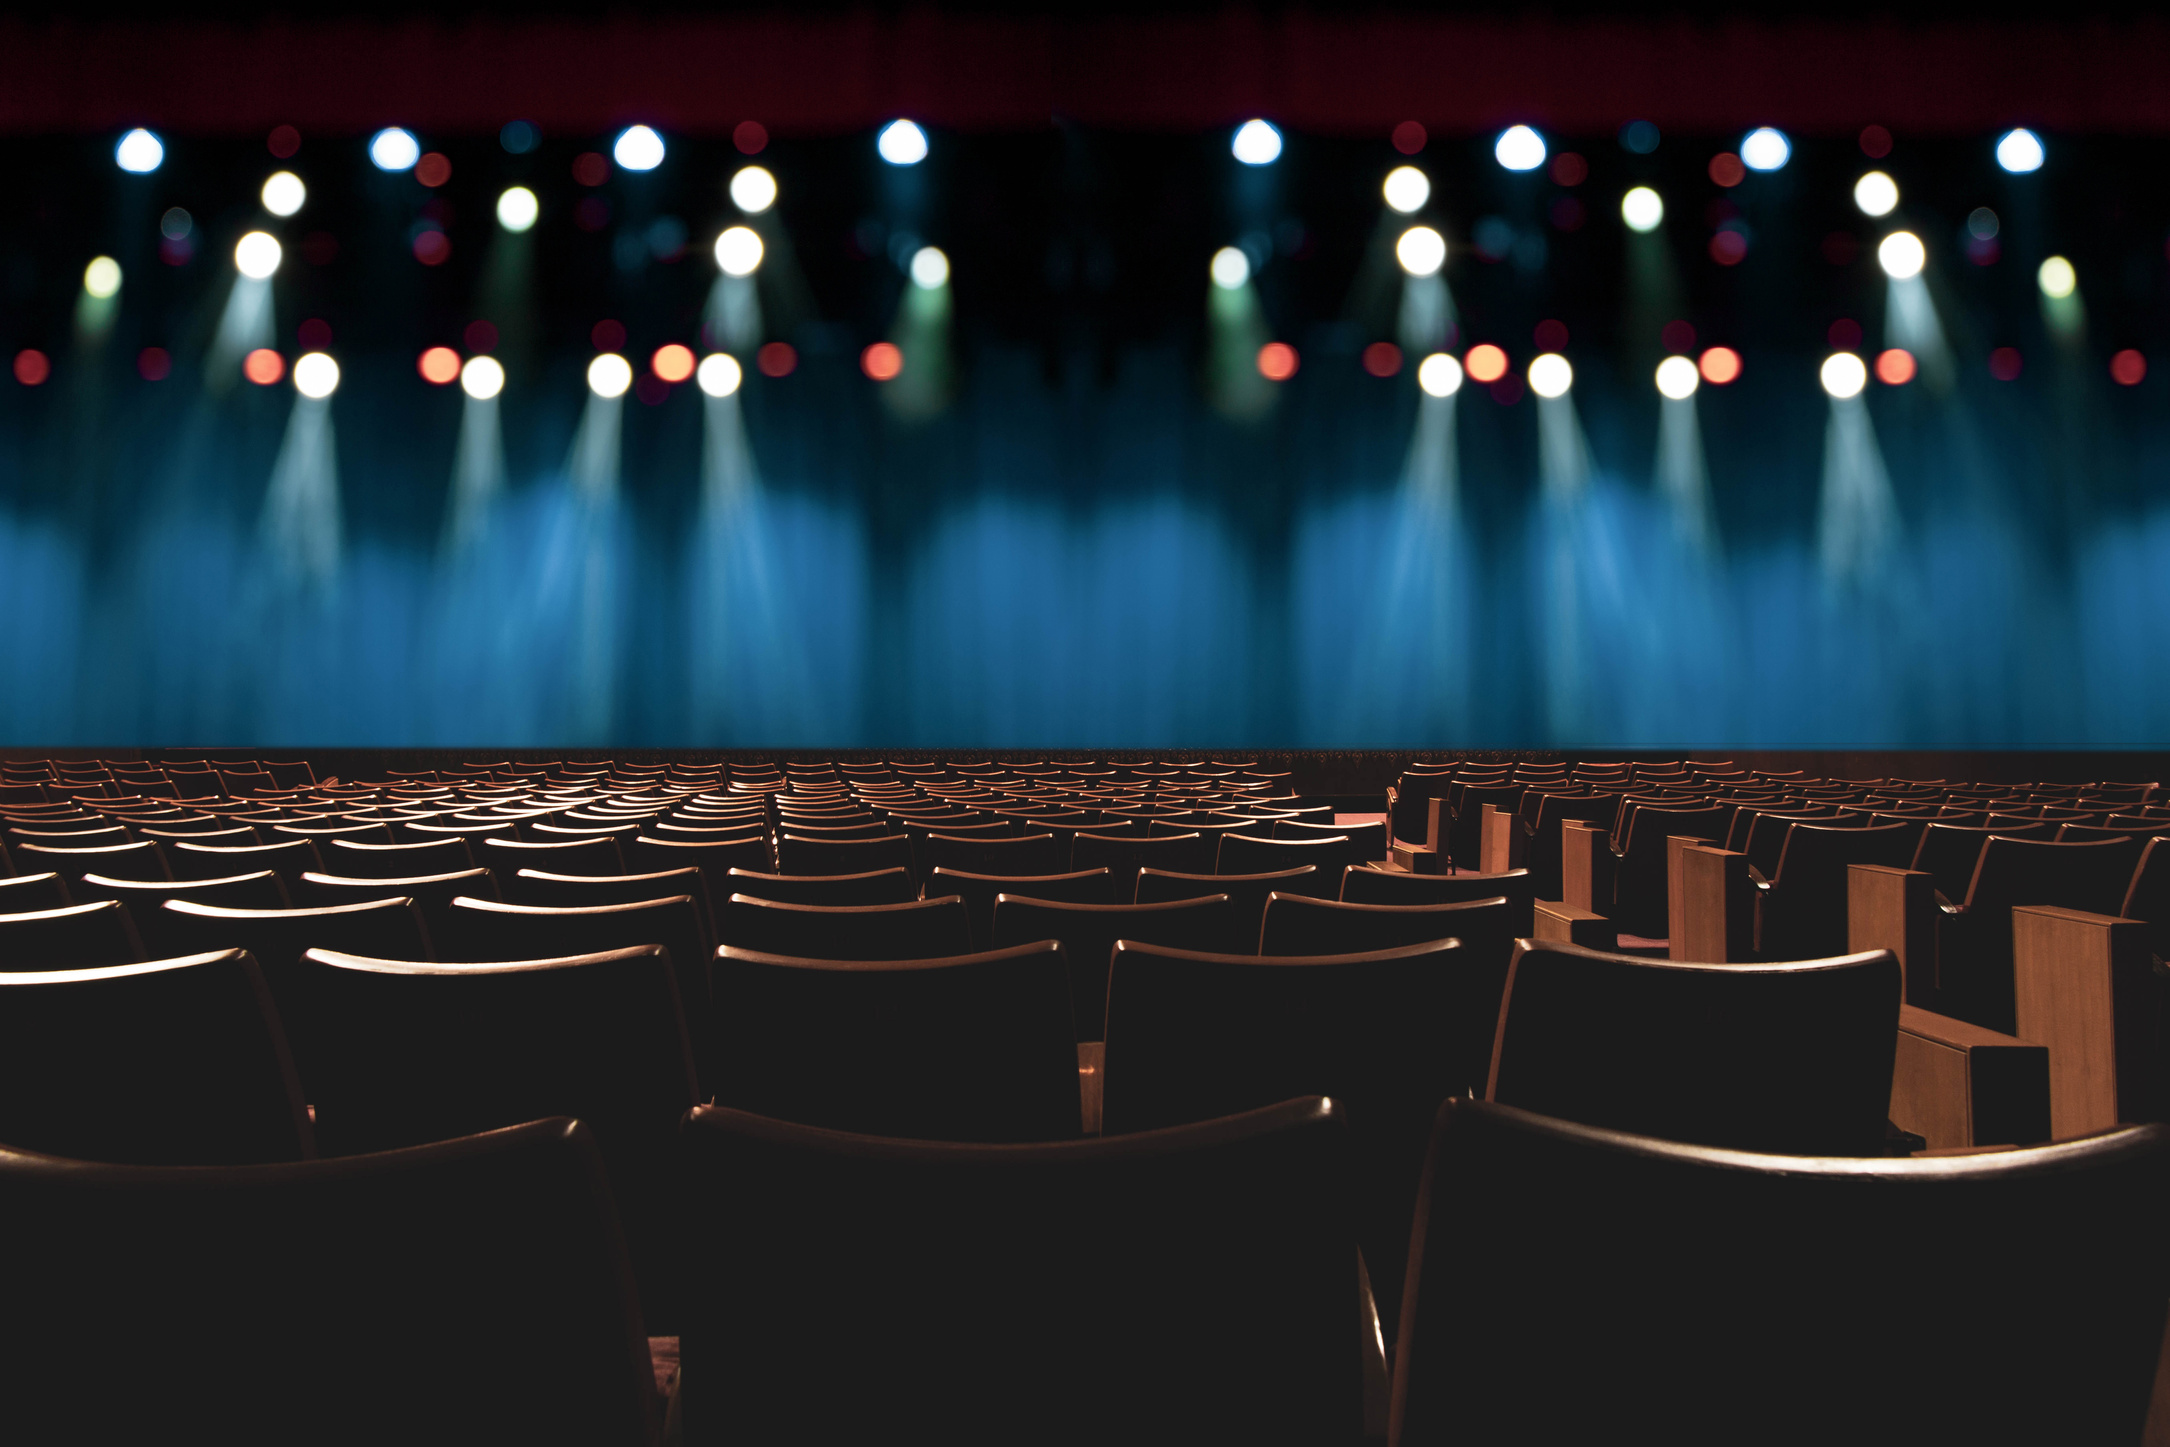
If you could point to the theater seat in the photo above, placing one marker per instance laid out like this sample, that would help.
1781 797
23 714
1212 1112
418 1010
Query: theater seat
83 936
918 930
979 892
1246 896
1089 931
1298 925
1362 885
880 886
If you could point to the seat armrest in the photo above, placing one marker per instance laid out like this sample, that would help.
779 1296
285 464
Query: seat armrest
1092 1078
1371 1342
1895 910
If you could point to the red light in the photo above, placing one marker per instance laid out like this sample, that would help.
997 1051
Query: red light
480 336
590 169
1569 169
283 142
1895 367
263 366
439 366
1875 143
31 367
1728 247
1726 169
1409 138
881 361
1550 336
432 248
1508 389
1277 361
315 334
1382 359
2128 368
153 364
672 362
1844 335
1720 365
777 359
2004 364
651 389
433 170
1677 337
1485 363
751 137
608 336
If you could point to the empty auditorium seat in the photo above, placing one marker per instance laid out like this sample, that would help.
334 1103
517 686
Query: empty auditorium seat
917 930
1801 908
881 886
1248 854
1089 931
144 859
1949 852
78 937
592 854
1974 935
432 893
979 892
33 893
1295 924
1189 853
1361 885
797 854
2147 898
289 860
357 859
1246 896
1004 853
259 890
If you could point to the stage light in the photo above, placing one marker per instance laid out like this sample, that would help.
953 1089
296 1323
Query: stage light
1421 251
2004 364
139 151
518 209
1765 149
1843 375
1895 366
2128 368
284 193
482 378
102 278
1719 366
930 268
263 366
316 375
1407 189
1551 375
1277 361
2020 151
777 359
738 251
1678 378
1901 255
439 366
1256 143
1642 209
1519 149
1639 138
1231 268
609 375
32 367
2057 278
1485 363
753 190
902 143
673 362
1439 375
881 361
519 137
1876 194
719 374
154 364
257 255
393 149
1382 359
638 148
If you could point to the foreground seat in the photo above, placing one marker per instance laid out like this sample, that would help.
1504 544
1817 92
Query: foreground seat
1089 931
1296 925
78 937
979 892
1246 896
260 890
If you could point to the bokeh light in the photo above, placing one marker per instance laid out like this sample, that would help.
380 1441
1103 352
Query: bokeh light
930 268
393 149
1230 267
738 251
1876 194
519 137
1765 149
753 189
1485 362
283 193
1642 209
777 359
263 366
1407 189
102 278
283 141
439 366
1409 137
1439 375
2128 368
480 336
719 374
609 375
1519 149
432 247
882 361
2005 364
2020 151
1728 247
1277 361
139 151
1421 251
434 169
673 362
1875 142
154 364
902 143
1677 378
316 375
751 138
482 378
1677 336
518 209
1895 366
32 367
591 168
1639 138
1901 255
1256 143
1843 375
1569 169
257 255
638 148
2057 278
1382 359
1720 366
1726 169
1551 375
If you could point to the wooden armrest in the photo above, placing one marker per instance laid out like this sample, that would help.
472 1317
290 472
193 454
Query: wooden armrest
1500 844
1959 1086
1557 920
2083 985
1895 910
1092 1079
1371 1342
1713 904
1586 868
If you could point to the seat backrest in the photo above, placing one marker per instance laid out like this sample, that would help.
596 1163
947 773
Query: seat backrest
1949 852
90 834
971 1047
2093 876
978 891
354 1300
1246 895
357 859
289 860
1009 853
917 930
1123 857
1640 902
880 886
1089 931
144 859
1804 909
2148 898
592 854
1741 1297
1296 925
432 893
33 893
78 937
961 1290
570 891
259 890
1380 886
1249 854
796 854
1367 842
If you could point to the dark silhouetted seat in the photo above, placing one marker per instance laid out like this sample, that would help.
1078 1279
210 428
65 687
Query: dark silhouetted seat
1801 909
2148 897
1541 831
91 834
1124 857
289 860
355 859
1089 931
260 890
1246 896
1367 842
432 893
594 854
1004 854
917 930
1949 852
573 891
1974 938
979 891
1246 854
326 833
1298 925
79 937
798 855
1640 902
144 859
882 886
33 893
1383 886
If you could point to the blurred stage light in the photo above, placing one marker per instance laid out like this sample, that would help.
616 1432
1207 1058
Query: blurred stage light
1677 378
1639 138
393 149
609 375
2128 368
1231 268
1895 366
1642 209
518 209
482 378
902 143
2057 278
263 366
1485 363
519 137
2004 364
1551 375
882 361
1439 375
1519 149
2020 151
1277 361
1843 375
753 190
439 366
1407 189
1901 255
284 193
257 255
139 151
673 362
1256 143
1765 149
1719 366
1876 194
1726 170
316 375
1382 359
1409 137
719 374
638 148
777 359
1982 224
102 278
32 367
154 364
1421 251
930 268
738 251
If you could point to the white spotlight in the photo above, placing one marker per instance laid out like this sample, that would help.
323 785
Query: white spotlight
1421 251
1677 377
1765 149
1642 209
1551 376
638 149
1407 189
753 190
482 378
517 209
102 278
1876 194
1439 375
2020 151
283 193
930 268
902 143
1901 255
738 251
609 375
719 374
2057 278
1844 375
1231 268
257 255
139 151
393 149
1519 149
1256 143
316 375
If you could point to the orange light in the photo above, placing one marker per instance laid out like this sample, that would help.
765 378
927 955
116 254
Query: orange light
1485 363
2128 368
1895 367
1277 361
881 361
263 366
673 363
439 366
31 367
1720 365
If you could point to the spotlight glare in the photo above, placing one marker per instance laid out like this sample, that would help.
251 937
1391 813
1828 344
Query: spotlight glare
1765 149
257 255
1256 143
1519 149
930 268
609 375
316 375
719 374
738 251
518 209
902 143
393 149
2057 278
2020 151
482 378
638 148
284 193
102 278
1901 255
1421 251
1678 378
1551 375
438 365
1642 209
1407 189
1231 268
1439 375
1876 194
673 362
1843 375
139 151
753 189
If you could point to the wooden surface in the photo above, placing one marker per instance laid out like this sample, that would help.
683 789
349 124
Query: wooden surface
1585 867
1895 910
1092 1078
2081 987
1713 903
1498 848
1558 920
1958 1085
